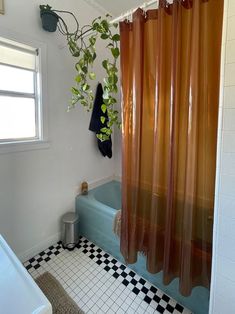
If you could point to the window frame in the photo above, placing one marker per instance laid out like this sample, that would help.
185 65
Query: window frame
40 141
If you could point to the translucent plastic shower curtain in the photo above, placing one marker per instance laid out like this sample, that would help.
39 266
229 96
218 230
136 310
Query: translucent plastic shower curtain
170 64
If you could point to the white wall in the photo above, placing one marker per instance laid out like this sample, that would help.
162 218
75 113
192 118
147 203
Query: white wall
38 186
223 273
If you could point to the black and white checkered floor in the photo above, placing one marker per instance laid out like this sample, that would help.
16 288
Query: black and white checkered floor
99 283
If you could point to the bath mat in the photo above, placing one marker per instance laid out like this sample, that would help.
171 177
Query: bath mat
58 297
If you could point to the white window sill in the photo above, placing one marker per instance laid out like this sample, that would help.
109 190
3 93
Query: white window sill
6 148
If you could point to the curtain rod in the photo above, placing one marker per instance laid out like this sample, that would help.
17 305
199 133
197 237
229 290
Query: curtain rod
129 12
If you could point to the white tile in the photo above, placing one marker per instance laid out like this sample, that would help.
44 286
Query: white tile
229 78
231 8
226 227
227 185
229 119
231 28
227 206
226 267
230 51
228 163
225 288
228 141
229 97
226 247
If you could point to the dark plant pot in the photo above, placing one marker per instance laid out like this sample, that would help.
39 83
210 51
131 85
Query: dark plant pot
49 20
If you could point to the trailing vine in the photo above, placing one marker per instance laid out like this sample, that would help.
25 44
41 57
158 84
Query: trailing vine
82 46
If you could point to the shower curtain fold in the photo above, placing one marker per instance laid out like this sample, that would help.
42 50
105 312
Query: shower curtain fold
170 70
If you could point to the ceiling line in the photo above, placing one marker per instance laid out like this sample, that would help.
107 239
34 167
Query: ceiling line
96 6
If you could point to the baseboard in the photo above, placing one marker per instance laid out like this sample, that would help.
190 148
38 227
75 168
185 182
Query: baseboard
39 247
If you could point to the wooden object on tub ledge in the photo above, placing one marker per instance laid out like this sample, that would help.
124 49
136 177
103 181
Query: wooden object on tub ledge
84 188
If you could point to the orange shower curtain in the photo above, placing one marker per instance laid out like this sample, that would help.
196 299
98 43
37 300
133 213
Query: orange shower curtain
170 64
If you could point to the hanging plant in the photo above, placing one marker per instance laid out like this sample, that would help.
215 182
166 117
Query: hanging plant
82 45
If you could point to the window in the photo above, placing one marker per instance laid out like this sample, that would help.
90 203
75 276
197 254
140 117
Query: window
20 101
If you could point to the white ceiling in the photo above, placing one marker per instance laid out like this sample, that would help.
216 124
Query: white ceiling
116 7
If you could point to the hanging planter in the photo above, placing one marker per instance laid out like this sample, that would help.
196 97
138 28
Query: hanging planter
49 18
82 46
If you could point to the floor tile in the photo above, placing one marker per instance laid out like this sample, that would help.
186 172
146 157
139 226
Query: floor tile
99 283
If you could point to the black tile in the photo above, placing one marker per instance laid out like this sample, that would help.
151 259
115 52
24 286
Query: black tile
39 260
106 255
47 259
107 268
57 252
84 251
133 281
92 256
169 308
99 250
147 299
142 281
116 275
160 309
179 308
123 267
125 282
114 261
29 266
98 255
92 245
99 262
156 298
131 273
136 291
92 251
42 253
153 289
123 274
165 298
106 261
32 260
115 267
49 253
37 266
144 290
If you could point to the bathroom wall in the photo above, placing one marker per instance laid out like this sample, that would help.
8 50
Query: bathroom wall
38 186
223 273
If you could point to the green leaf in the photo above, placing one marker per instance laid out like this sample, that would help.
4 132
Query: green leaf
78 78
92 40
115 52
105 64
85 87
104 130
105 25
92 75
103 108
110 45
104 36
84 69
116 37
102 119
75 91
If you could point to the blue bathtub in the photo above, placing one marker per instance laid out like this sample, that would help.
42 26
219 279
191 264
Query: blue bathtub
96 211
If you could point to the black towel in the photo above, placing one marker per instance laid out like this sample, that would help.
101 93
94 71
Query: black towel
105 147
